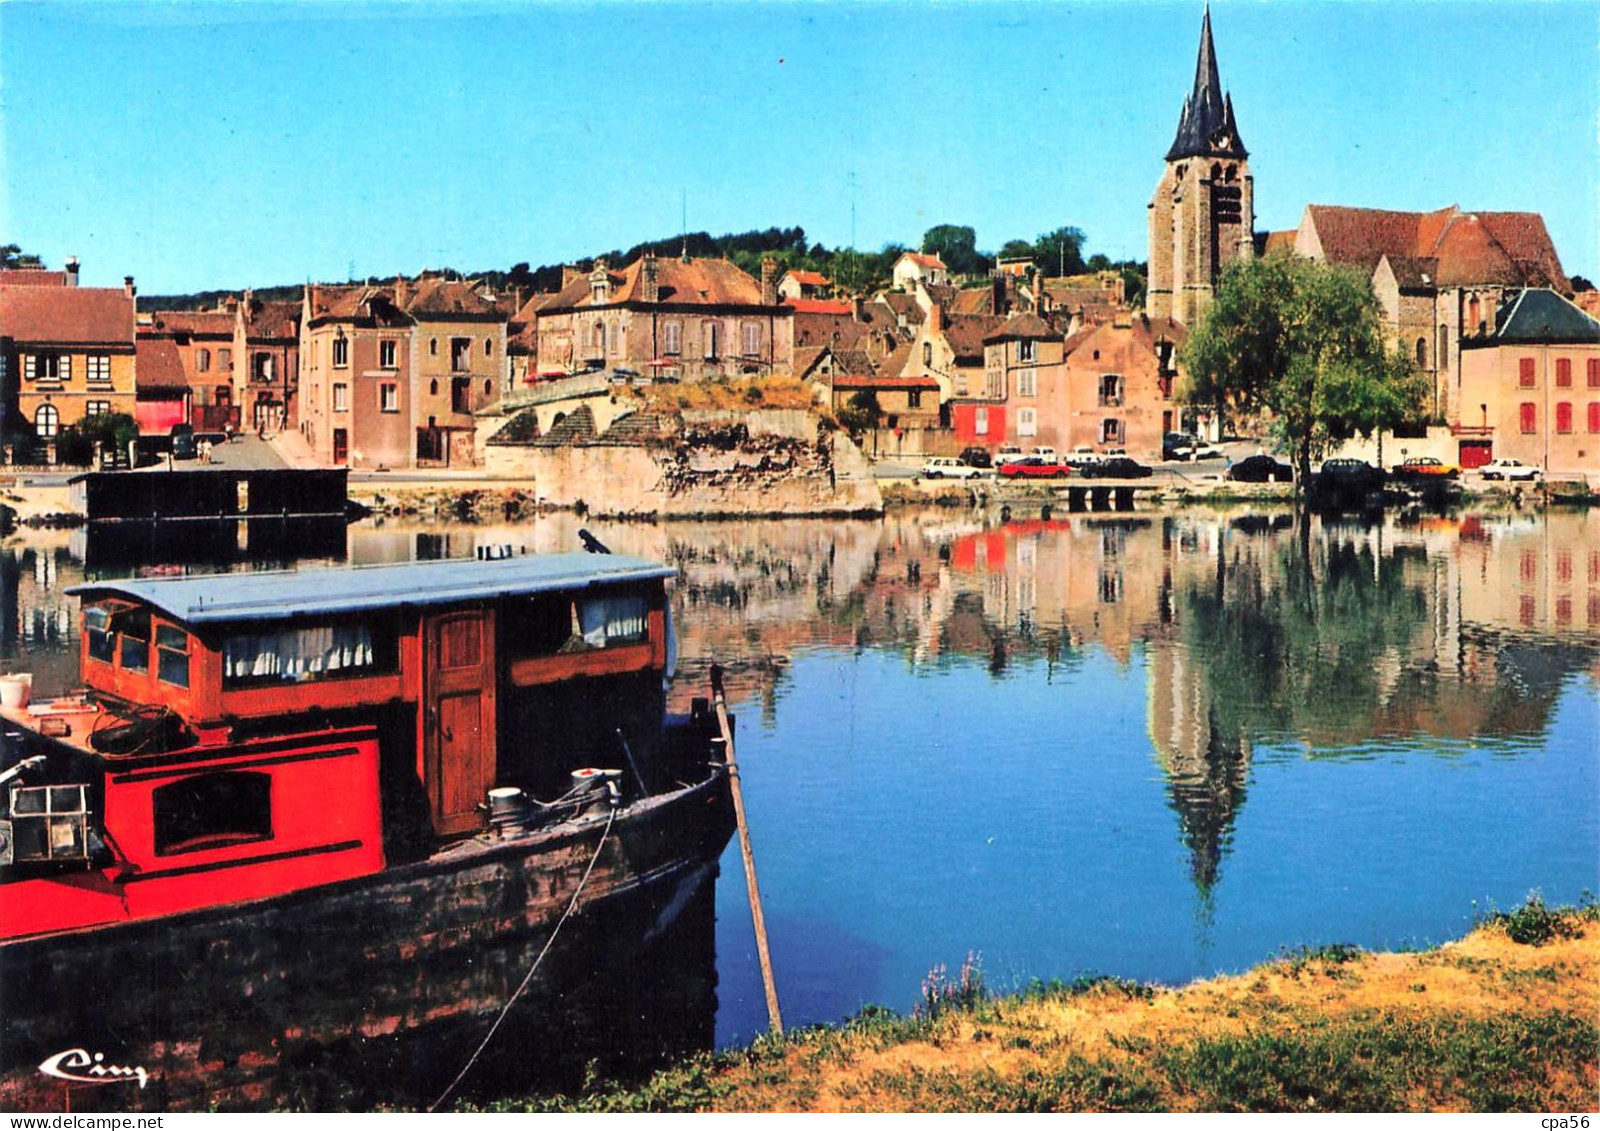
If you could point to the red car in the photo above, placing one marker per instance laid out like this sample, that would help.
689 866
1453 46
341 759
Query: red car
1033 467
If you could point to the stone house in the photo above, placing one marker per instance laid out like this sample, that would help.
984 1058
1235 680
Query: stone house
913 268
1530 389
66 352
1439 277
266 340
686 318
459 365
1117 387
1022 366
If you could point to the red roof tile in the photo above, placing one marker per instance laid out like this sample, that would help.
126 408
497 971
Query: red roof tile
810 278
875 381
818 306
698 282
67 315
1019 326
437 297
1483 247
966 332
157 364
26 277
932 262
272 319
195 323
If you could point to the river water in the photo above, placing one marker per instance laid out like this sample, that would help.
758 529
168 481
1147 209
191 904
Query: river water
1154 745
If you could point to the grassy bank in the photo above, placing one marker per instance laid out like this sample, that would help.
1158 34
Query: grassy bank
1503 1020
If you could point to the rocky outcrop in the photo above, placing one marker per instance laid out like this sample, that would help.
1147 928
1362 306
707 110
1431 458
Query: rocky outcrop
699 464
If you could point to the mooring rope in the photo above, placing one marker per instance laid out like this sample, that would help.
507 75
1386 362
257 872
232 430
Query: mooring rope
528 978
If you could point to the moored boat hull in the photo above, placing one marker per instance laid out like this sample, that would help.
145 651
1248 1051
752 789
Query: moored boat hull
379 989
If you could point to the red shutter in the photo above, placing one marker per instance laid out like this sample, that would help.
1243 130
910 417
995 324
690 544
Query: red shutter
1563 416
1564 372
1525 372
1594 416
1528 418
1594 373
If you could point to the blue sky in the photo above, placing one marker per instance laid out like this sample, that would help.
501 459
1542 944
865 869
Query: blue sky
202 145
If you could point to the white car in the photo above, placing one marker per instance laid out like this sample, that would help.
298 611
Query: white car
1510 469
1008 453
1047 454
948 467
1191 453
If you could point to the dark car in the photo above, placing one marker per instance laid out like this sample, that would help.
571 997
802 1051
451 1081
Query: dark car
184 445
1261 469
976 457
1351 475
1034 467
1117 467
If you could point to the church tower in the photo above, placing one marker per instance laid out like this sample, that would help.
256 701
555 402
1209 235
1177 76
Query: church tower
1202 216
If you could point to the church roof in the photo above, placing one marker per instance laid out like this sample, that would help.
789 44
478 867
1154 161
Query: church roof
1206 127
1464 247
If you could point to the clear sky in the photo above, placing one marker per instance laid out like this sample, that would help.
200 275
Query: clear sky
207 145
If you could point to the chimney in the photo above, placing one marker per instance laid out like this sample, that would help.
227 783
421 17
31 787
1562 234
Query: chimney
401 289
72 270
649 279
999 284
935 319
769 282
127 286
858 307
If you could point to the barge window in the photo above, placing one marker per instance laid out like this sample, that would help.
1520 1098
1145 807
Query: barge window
172 655
134 628
301 654
618 619
102 640
212 811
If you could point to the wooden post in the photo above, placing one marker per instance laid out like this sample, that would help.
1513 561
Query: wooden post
758 920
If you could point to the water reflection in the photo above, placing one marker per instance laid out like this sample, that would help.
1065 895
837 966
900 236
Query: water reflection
1149 744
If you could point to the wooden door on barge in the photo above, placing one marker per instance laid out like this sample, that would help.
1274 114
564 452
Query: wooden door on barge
458 716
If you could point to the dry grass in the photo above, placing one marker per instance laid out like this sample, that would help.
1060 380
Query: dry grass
1486 1023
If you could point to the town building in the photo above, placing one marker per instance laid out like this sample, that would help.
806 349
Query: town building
1117 386
393 376
1202 216
266 340
914 267
202 342
1439 277
1022 366
1530 389
66 352
800 284
685 318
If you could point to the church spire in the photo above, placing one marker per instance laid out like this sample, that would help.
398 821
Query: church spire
1206 127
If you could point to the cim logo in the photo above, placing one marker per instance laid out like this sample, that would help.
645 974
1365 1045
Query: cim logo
83 1067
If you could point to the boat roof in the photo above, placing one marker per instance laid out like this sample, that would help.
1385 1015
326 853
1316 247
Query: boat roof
226 597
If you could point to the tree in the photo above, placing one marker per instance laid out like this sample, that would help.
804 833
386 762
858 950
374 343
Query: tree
1060 252
1580 284
861 413
1017 249
12 256
957 246
1302 341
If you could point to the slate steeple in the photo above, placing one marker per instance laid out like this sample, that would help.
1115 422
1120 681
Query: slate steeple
1206 127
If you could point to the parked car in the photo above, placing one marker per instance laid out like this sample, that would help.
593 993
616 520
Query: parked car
1426 468
184 444
1261 469
1350 475
948 467
1083 456
1007 453
1033 467
1510 469
976 457
1117 467
1175 440
1048 454
1195 451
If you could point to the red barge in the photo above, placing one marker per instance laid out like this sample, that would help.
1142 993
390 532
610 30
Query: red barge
304 837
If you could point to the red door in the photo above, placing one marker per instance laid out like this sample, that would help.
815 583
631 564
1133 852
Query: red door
458 717
341 445
1476 453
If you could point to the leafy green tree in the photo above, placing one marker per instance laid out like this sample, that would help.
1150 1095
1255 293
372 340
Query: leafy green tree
861 413
1301 340
12 256
957 246
1060 252
1017 249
